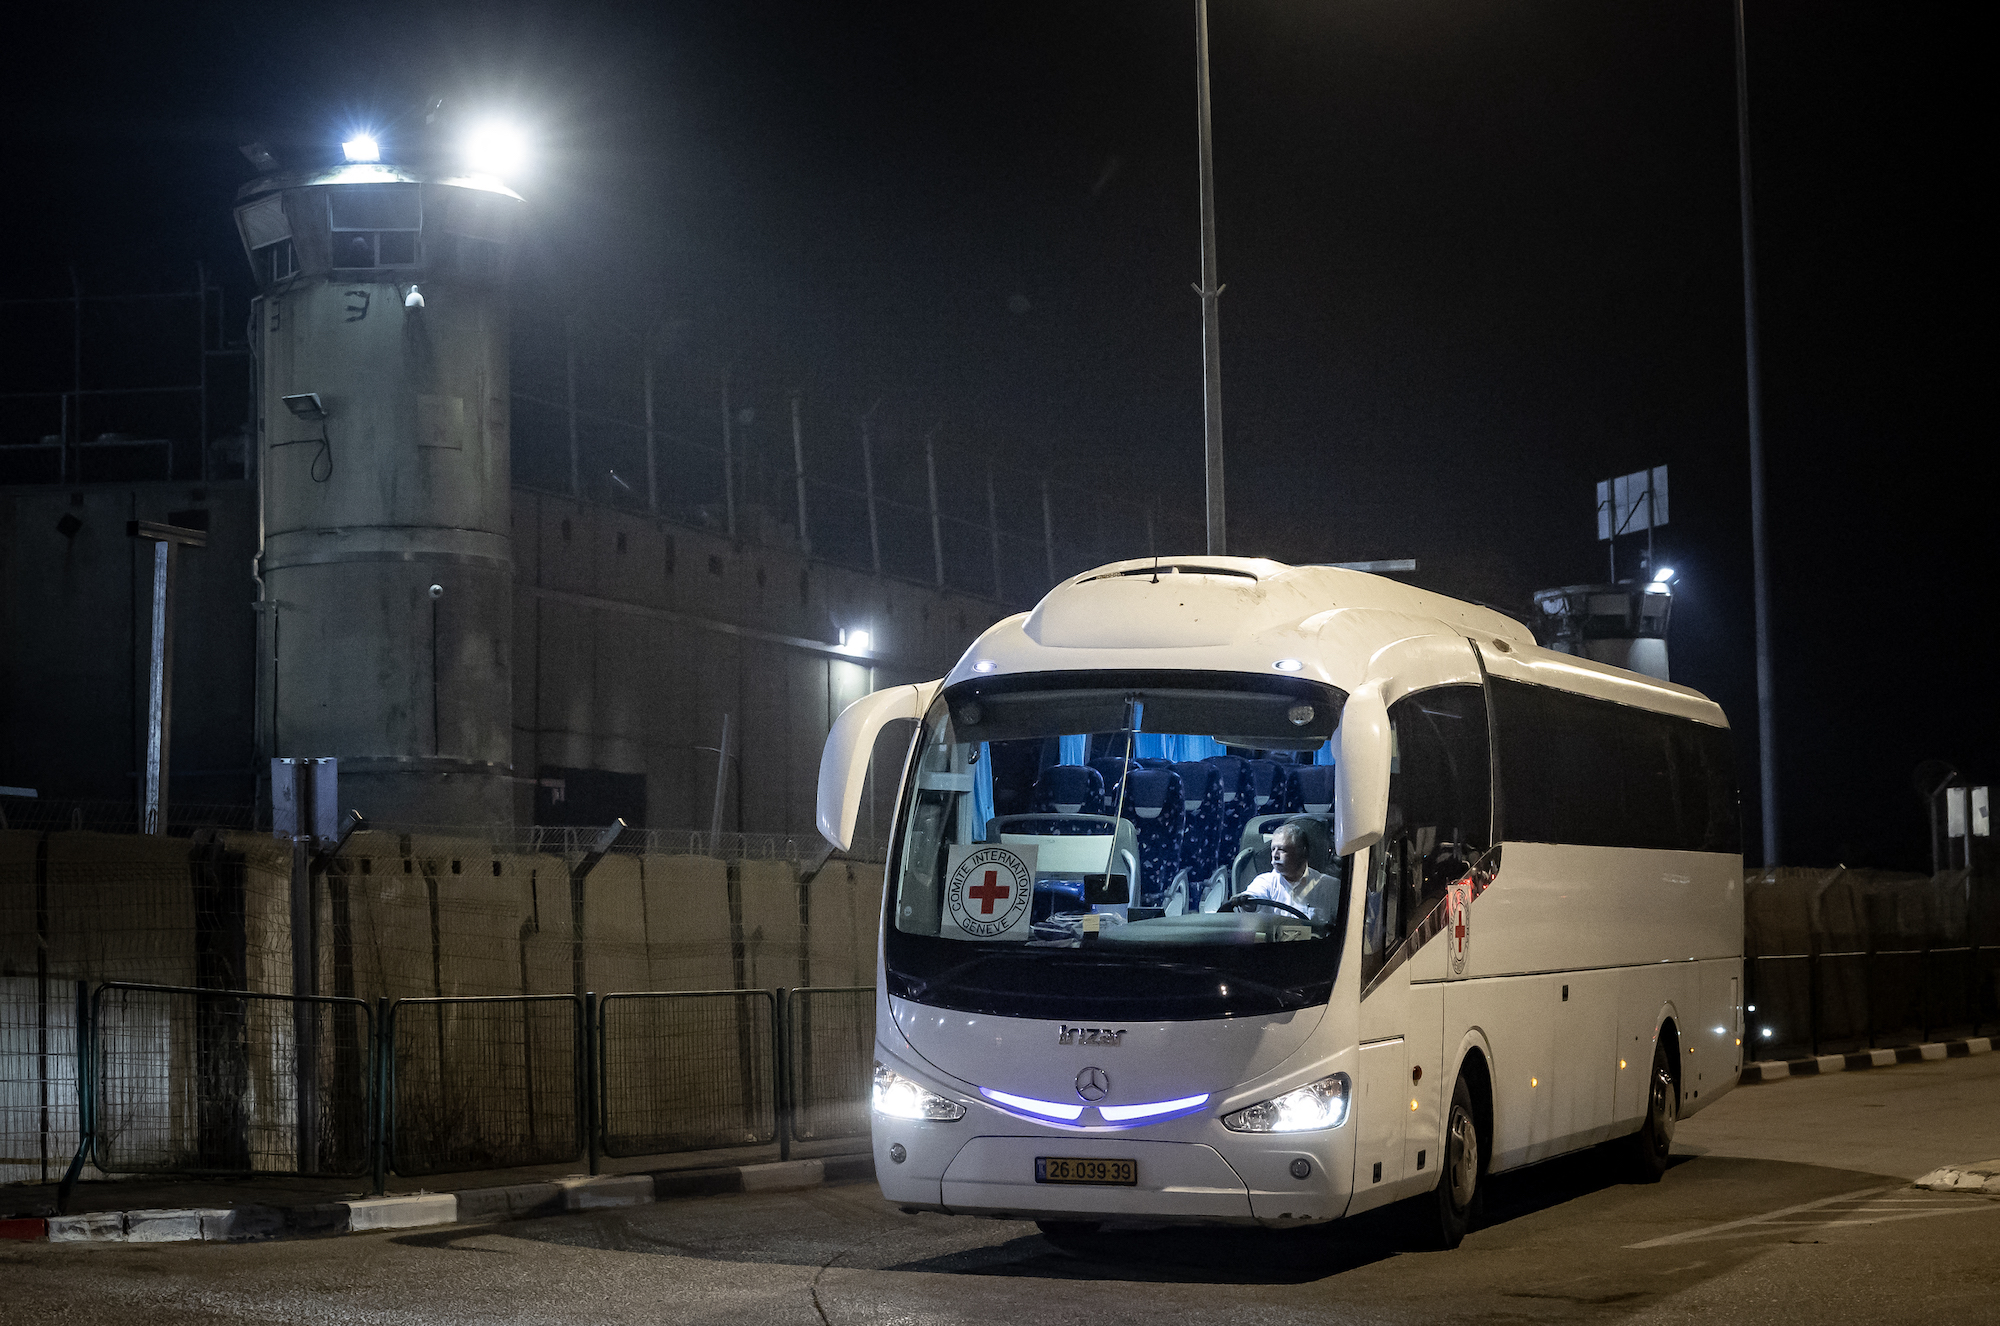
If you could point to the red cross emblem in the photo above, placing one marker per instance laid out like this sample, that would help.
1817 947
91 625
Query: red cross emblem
989 891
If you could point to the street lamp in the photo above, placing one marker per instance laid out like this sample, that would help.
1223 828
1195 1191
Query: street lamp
1767 758
1210 291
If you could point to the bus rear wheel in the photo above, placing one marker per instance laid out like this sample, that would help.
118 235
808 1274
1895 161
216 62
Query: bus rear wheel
1459 1190
1647 1150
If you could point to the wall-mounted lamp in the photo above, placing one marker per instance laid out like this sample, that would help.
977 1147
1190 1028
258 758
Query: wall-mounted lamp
855 641
307 405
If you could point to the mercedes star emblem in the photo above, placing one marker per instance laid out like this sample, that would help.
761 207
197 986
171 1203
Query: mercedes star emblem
1093 1084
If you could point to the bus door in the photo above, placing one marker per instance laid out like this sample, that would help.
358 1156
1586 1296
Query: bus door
1439 821
1384 1026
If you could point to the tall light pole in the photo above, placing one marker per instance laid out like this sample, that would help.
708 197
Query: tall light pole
1210 291
1767 755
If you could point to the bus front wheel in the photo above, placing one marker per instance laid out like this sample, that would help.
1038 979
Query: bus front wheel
1459 1191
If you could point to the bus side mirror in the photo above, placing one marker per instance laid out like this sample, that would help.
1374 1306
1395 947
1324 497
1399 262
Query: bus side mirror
1361 771
843 765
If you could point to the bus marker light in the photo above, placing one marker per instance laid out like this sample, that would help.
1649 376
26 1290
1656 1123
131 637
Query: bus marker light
1048 1109
1125 1113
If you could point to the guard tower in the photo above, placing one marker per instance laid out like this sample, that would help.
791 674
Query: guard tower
1624 624
385 565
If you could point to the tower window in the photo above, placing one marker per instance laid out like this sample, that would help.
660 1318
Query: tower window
275 262
374 225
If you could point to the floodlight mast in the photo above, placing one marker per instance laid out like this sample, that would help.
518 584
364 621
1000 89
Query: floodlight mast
1210 291
1767 755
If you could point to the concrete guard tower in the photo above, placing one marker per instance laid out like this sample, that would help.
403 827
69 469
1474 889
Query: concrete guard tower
385 564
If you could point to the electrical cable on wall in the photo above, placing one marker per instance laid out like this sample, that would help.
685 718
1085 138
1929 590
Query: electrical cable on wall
325 453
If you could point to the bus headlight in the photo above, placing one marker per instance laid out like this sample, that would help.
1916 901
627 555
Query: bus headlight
1321 1104
900 1098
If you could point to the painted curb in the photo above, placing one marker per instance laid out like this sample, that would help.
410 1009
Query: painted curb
430 1208
1773 1070
474 1206
1980 1177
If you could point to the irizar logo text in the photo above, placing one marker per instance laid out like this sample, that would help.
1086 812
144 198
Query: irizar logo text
1087 1035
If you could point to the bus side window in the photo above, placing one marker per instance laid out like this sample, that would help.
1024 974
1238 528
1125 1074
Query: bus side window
1440 794
1383 908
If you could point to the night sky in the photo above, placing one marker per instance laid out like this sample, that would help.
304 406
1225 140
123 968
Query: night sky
1479 256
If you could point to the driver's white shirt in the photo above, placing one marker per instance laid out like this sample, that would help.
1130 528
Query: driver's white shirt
1313 894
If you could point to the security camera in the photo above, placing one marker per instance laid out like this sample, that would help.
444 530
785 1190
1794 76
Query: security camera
437 591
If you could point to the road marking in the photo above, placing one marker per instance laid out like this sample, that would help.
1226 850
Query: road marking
1880 1210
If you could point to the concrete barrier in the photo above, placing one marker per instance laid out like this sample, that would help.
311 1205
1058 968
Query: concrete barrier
688 935
773 935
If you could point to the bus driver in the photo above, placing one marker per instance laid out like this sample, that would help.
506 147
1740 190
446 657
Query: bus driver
1289 881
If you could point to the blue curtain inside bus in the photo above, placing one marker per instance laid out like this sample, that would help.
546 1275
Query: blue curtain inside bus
1170 746
982 788
1175 747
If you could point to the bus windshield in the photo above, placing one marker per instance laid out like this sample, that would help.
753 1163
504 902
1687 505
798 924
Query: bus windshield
1093 844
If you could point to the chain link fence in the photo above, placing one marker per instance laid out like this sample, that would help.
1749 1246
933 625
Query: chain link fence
687 1070
188 1080
830 1052
483 1083
1843 960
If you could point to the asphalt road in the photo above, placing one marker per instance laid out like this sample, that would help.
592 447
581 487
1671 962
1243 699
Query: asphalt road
1788 1202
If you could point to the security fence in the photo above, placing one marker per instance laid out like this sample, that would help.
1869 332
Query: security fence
829 1050
1834 1003
407 915
175 1079
1843 960
482 1082
686 1071
185 1080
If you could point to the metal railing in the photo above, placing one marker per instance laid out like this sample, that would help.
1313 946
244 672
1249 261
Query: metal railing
184 1080
1832 1003
175 1079
829 1056
686 1070
482 1082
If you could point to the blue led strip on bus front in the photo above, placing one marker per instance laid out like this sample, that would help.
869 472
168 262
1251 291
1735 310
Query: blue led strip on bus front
1116 1115
1156 1110
1048 1109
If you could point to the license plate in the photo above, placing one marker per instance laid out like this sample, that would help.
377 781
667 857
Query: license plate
1076 1169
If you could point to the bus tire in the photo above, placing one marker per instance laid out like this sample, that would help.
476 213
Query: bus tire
1461 1190
1647 1150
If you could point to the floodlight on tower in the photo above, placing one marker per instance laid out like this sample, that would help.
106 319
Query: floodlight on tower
495 148
362 147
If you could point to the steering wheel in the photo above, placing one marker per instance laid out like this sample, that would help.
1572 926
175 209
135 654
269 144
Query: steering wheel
1255 900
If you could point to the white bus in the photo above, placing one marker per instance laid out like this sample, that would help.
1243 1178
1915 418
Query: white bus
1527 940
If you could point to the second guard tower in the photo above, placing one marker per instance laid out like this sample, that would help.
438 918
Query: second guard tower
384 568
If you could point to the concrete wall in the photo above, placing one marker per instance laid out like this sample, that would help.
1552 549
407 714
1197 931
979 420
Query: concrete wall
623 661
634 636
75 624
